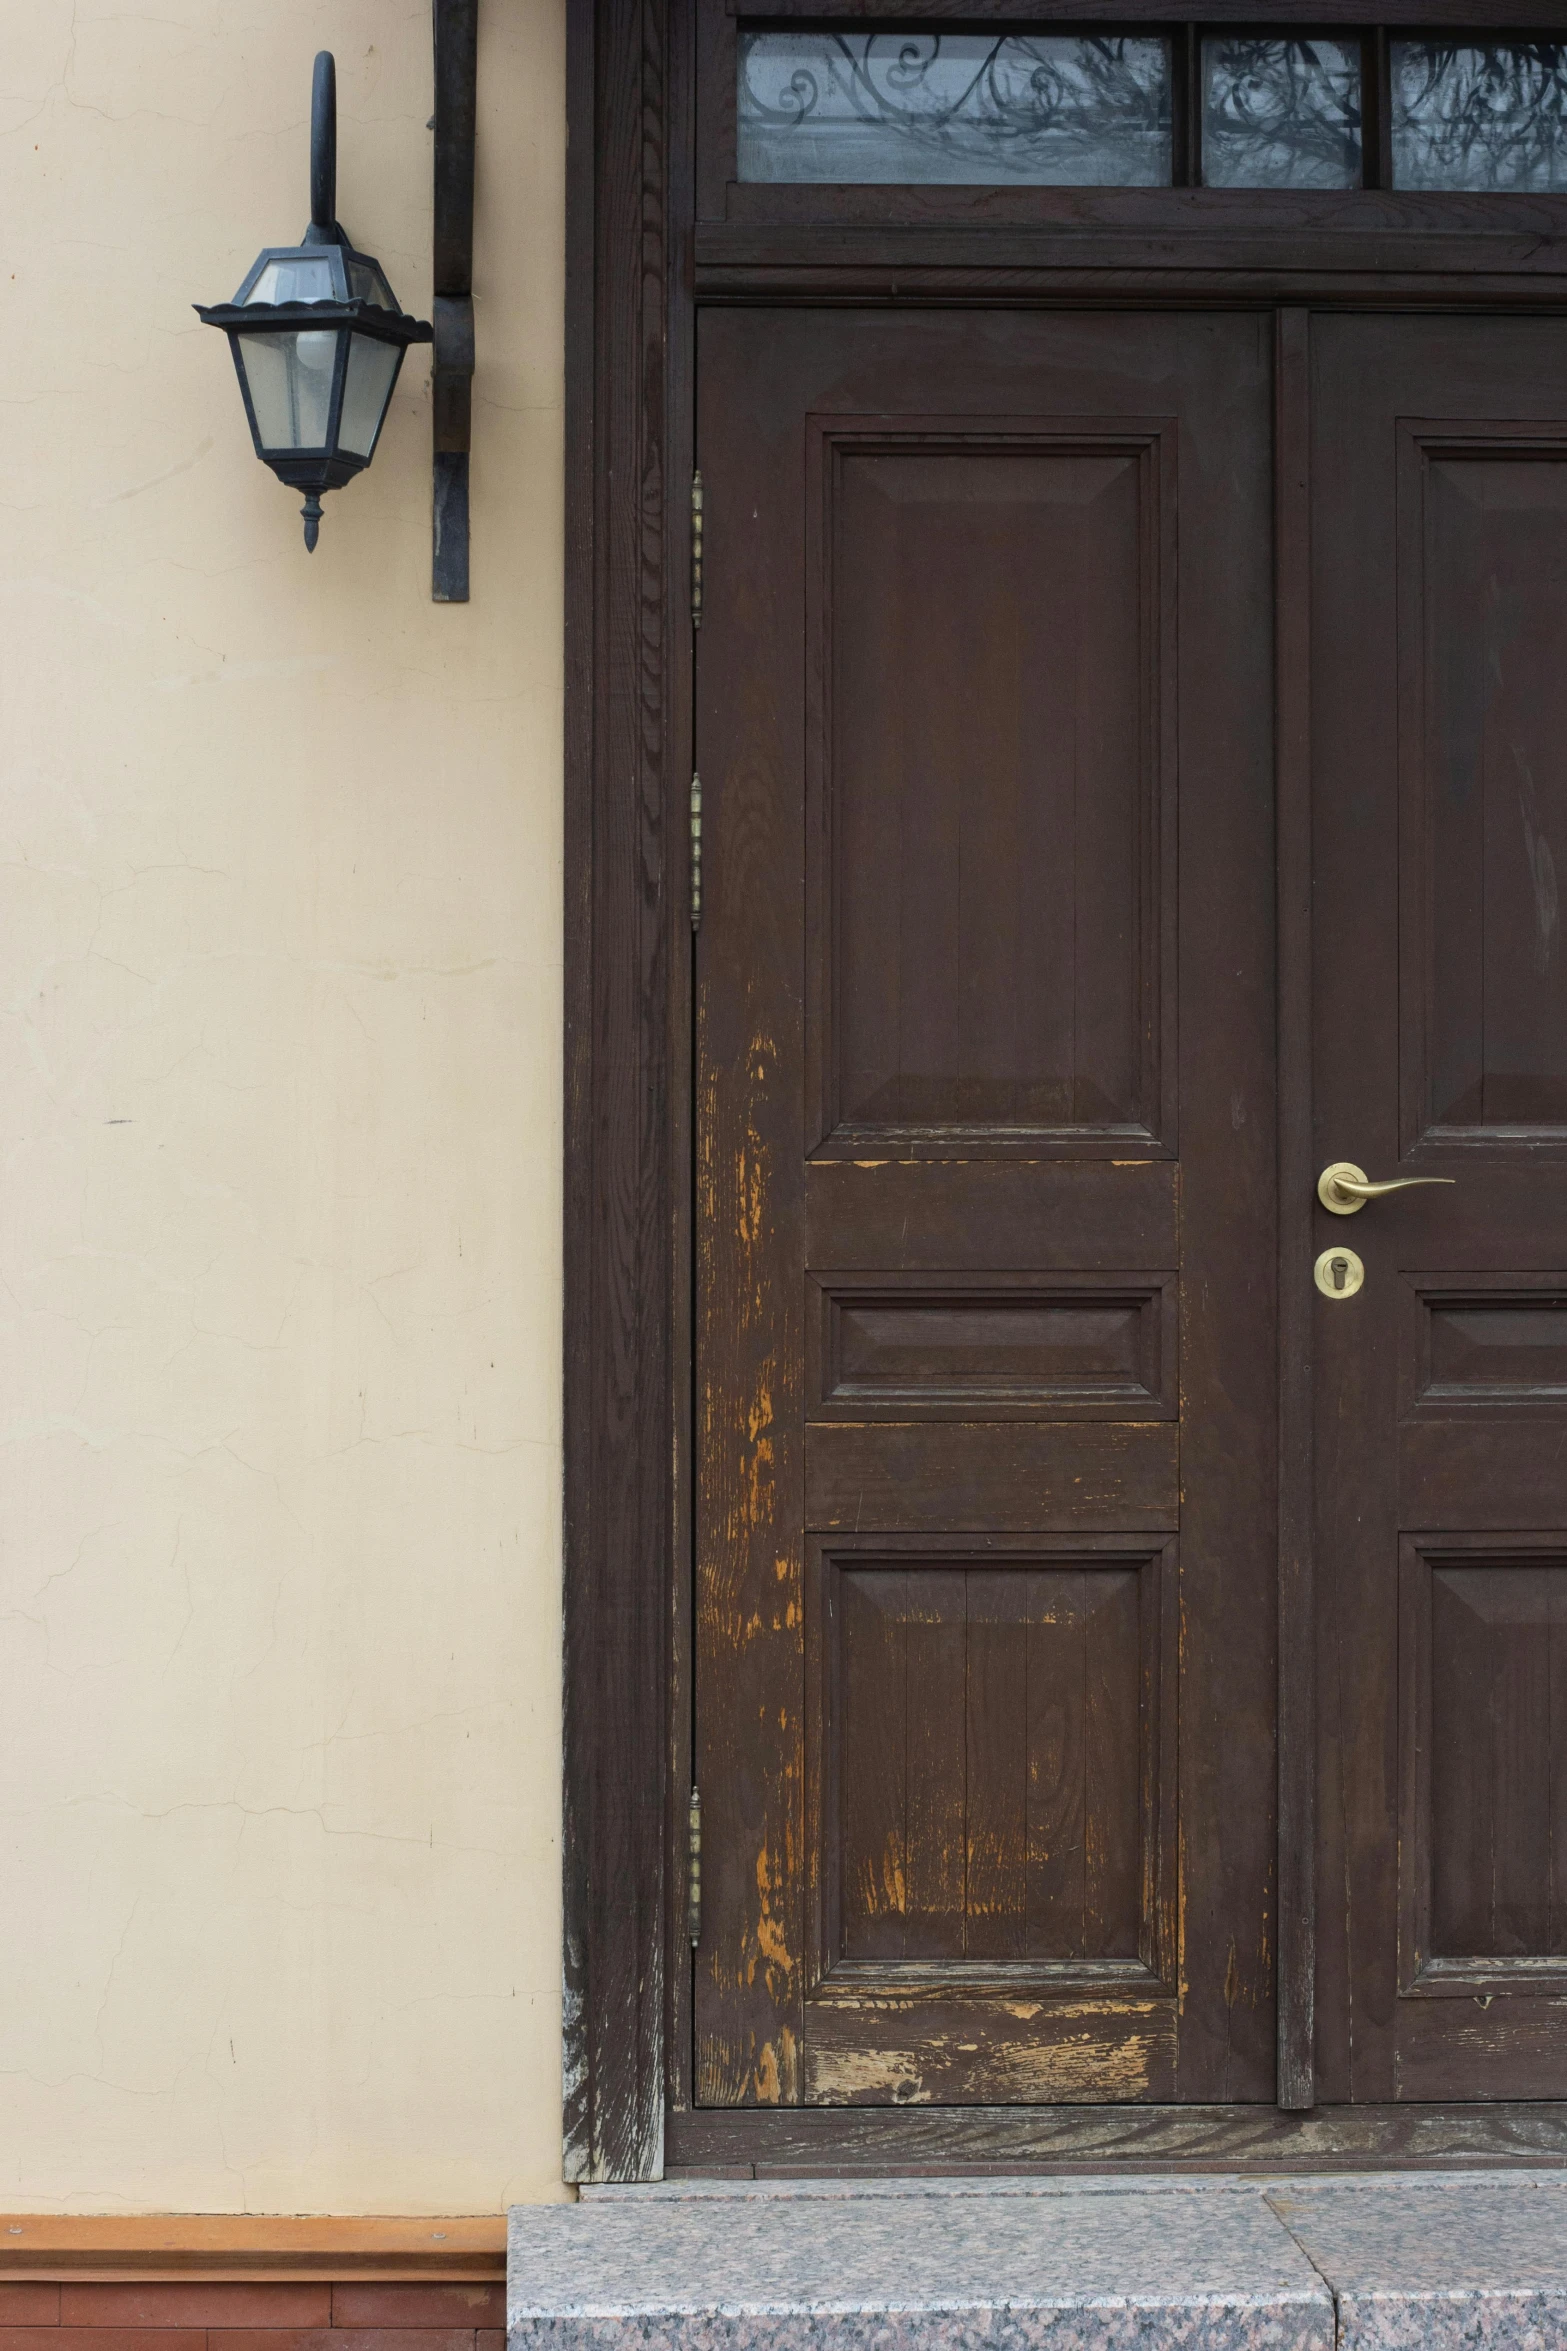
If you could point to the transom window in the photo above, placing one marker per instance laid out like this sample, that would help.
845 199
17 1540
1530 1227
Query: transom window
876 105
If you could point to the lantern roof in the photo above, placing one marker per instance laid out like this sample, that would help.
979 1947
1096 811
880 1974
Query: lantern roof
320 283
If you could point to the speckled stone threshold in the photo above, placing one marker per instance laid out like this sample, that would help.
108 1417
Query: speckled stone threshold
1416 2262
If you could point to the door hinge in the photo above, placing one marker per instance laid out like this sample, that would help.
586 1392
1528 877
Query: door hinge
696 550
694 1869
696 853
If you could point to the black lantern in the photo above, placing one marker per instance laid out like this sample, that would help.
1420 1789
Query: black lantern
317 336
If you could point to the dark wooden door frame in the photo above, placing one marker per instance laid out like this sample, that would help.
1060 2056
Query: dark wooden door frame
622 1190
637 262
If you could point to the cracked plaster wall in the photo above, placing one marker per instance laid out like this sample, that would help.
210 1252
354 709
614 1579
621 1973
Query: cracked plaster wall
279 1611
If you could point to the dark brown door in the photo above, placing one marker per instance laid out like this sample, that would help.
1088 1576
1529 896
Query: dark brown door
1440 755
985 1433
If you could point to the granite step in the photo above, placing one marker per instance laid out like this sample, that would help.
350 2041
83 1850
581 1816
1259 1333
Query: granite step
1413 2262
1432 2264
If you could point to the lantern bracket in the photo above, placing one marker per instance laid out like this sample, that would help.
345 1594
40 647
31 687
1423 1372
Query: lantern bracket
323 229
456 30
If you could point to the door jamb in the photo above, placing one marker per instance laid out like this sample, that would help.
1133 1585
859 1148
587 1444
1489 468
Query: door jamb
621 1191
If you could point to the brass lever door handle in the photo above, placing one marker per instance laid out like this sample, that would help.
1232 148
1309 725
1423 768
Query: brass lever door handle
1343 1187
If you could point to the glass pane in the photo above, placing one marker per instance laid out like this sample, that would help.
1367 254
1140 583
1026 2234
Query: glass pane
1479 114
1065 110
371 369
290 379
366 284
1280 114
303 280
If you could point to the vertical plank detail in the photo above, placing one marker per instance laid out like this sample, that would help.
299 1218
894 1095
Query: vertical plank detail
934 1779
1297 1627
1056 1699
997 1764
618 1405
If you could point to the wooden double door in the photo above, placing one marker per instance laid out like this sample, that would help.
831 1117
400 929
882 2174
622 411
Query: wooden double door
994 1235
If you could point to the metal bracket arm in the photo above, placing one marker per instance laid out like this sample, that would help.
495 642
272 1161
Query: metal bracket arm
453 320
456 26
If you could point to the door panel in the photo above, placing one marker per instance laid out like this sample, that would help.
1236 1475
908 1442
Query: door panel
1439 720
967 1347
982 1754
1486 1643
1482 563
987 822
985 1353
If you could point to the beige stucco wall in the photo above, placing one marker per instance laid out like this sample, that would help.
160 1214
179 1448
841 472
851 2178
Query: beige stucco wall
279 1596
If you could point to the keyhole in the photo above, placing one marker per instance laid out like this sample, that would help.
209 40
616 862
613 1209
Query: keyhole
1338 1273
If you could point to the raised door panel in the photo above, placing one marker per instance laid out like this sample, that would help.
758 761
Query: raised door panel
1482 1439
986 630
1484 1636
1483 1812
983 1346
992 1727
1482 563
988 1728
1487 1343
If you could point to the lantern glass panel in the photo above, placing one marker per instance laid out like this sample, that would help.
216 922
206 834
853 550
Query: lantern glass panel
302 277
372 367
367 284
290 381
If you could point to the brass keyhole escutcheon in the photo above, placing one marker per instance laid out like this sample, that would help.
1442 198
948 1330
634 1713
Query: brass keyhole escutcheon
1339 1273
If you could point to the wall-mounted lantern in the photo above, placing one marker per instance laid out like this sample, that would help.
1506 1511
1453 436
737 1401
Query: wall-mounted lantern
317 337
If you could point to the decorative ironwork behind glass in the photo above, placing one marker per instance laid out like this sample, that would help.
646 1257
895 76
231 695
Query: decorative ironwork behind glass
1479 114
1280 114
1065 110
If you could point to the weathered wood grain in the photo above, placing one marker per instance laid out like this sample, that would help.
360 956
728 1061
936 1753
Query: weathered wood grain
617 1400
1025 2048
1003 1475
1046 1214
1259 2138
